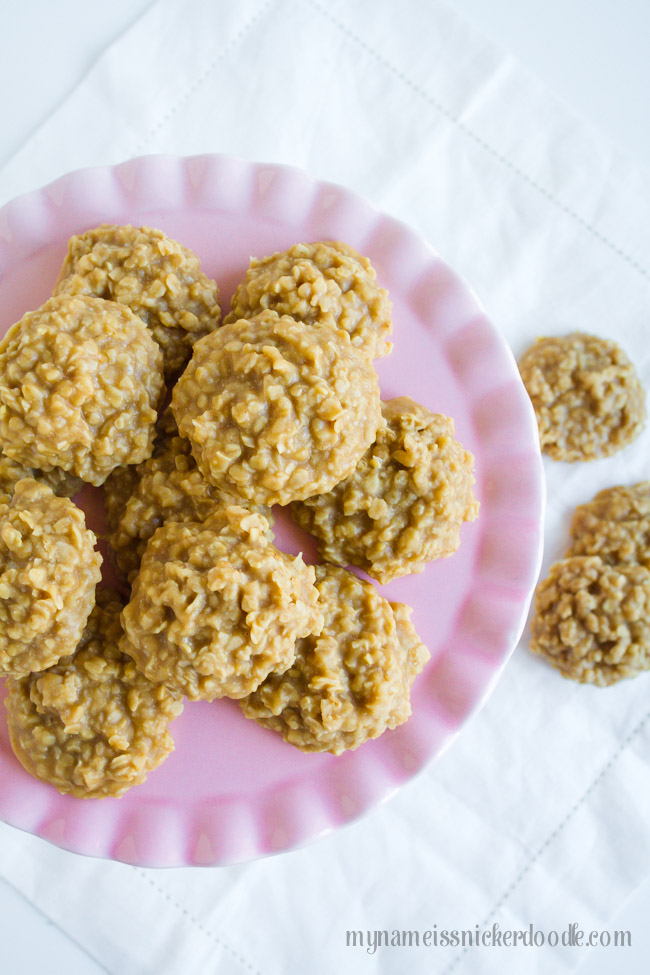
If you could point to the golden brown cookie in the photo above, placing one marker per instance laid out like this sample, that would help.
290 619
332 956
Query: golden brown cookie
352 681
277 410
92 725
156 277
80 381
404 503
592 620
216 607
48 572
587 397
323 283
615 525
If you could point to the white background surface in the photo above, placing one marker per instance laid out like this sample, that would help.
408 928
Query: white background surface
592 53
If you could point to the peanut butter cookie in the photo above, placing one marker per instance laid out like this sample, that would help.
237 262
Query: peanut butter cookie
352 681
277 410
216 607
80 381
48 572
614 525
324 283
404 503
63 484
592 620
92 725
159 279
587 397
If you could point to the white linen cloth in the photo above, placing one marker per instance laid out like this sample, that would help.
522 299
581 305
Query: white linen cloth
538 812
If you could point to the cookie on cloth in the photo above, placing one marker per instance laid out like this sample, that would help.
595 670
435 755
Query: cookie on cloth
614 525
588 399
591 620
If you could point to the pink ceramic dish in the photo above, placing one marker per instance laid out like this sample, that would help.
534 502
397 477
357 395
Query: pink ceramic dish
233 791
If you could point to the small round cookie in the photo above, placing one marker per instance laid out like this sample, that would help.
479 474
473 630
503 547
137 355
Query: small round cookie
156 277
324 283
277 410
92 725
80 380
352 681
48 572
167 487
587 397
216 607
404 503
614 525
62 483
592 620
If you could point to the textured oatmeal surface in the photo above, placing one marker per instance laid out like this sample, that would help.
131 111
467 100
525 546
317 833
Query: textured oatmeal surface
159 279
614 525
352 681
167 487
92 725
62 483
80 381
277 410
121 483
587 397
592 620
323 283
404 503
48 572
216 607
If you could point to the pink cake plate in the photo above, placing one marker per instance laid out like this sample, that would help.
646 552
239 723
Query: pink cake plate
233 791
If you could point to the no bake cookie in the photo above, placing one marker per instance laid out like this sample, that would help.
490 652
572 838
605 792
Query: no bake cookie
350 682
323 283
92 725
80 382
404 503
277 410
216 606
587 397
159 279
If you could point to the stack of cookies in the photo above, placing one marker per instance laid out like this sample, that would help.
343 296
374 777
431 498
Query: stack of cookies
127 379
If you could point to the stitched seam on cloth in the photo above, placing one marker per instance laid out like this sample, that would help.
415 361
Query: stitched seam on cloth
480 141
202 78
197 924
553 835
